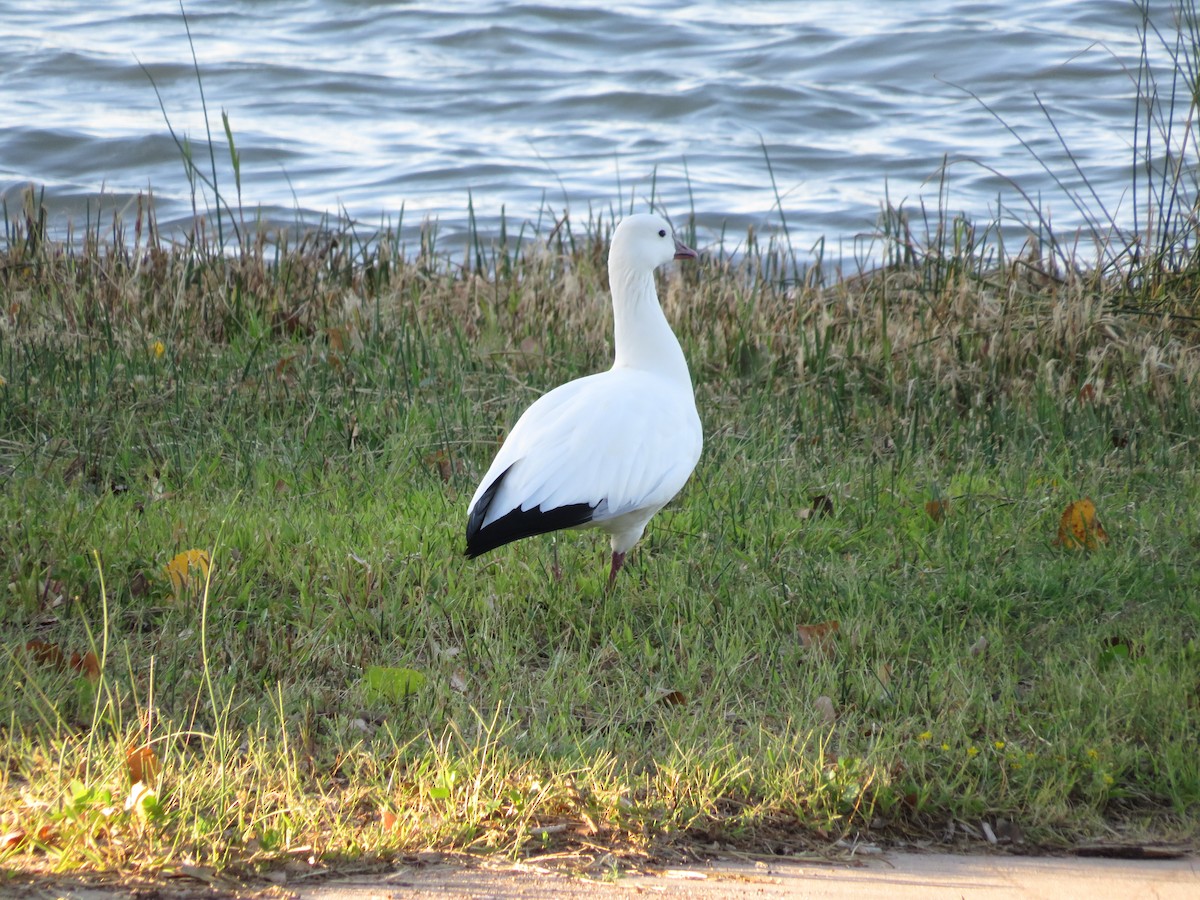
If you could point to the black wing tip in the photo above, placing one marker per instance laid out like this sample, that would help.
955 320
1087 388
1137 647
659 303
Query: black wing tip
518 523
522 523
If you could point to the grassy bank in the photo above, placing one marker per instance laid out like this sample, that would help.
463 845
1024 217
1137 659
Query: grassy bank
891 453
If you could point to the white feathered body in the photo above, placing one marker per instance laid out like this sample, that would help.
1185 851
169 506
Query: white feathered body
623 441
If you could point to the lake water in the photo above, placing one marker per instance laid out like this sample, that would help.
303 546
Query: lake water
362 107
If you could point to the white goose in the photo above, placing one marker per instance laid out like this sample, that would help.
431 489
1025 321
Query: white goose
609 450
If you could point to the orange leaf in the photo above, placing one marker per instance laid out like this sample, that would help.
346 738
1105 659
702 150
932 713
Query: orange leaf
440 460
285 367
87 665
1080 528
819 638
938 509
46 654
337 338
143 765
389 820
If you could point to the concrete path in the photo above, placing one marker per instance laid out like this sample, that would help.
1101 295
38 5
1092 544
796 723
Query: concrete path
890 875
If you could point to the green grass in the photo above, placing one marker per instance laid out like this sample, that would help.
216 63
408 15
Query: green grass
318 423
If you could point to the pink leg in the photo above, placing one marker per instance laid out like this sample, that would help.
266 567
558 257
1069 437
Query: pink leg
617 560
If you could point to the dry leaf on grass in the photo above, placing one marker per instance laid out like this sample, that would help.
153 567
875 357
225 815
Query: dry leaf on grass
820 638
143 765
52 656
446 465
672 698
87 665
822 505
824 707
1079 527
46 654
938 509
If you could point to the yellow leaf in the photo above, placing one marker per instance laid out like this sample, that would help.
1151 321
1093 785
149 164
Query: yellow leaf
1079 527
179 568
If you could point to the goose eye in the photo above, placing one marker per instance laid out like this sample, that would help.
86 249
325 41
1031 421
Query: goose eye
662 232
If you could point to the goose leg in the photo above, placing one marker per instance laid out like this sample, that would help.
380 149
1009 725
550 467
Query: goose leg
617 560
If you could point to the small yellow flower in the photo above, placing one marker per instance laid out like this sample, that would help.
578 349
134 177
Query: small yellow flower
1093 753
1108 779
925 736
999 745
945 746
158 349
972 751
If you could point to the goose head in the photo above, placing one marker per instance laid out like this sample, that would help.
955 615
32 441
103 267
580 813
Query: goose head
644 242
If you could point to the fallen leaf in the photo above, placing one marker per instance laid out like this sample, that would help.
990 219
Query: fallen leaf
821 505
139 584
143 765
207 874
337 338
179 568
285 366
46 654
391 683
824 707
1118 650
446 467
86 665
1080 528
819 638
938 509
883 674
1009 831
672 698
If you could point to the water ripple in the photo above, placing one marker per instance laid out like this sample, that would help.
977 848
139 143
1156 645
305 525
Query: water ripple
362 107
